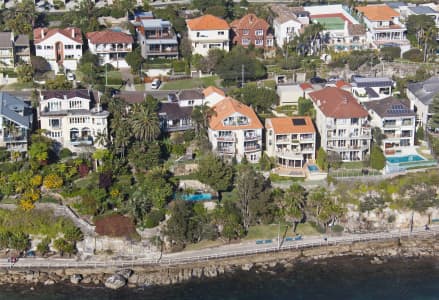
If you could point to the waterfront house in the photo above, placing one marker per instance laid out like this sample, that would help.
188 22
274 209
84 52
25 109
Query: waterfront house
251 30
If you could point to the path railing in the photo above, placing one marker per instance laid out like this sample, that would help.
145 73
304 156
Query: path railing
192 258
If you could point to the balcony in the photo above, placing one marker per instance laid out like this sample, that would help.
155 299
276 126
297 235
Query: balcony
253 137
390 125
284 141
15 139
82 141
226 138
251 148
226 150
288 154
307 149
178 128
113 50
348 148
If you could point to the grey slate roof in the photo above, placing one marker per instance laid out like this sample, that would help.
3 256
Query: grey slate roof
390 107
396 4
173 111
190 95
10 107
5 40
22 40
61 94
372 82
422 10
425 90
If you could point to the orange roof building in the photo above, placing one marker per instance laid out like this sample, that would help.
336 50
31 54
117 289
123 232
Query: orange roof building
235 130
378 12
251 30
291 140
342 123
208 32
111 46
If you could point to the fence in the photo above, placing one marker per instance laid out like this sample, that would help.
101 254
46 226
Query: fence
295 245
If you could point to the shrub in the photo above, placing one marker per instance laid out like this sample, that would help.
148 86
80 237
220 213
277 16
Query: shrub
83 170
154 218
52 181
413 55
105 180
337 228
390 53
317 227
43 246
64 153
377 158
73 234
63 246
179 66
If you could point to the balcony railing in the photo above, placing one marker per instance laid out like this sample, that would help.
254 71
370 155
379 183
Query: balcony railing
229 138
252 137
289 154
15 139
178 128
252 148
349 147
226 150
82 141
112 50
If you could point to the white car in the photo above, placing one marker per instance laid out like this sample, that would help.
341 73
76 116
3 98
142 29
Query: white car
155 84
70 76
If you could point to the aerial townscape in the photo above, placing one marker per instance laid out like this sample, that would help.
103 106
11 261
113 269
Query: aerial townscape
150 143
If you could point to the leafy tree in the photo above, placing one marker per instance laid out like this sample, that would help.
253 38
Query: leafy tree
417 26
177 227
292 204
228 217
39 151
39 65
251 189
23 19
413 55
73 234
322 159
214 172
19 241
419 136
305 107
333 159
60 82
424 198
377 158
435 112
52 181
390 53
63 246
378 136
89 67
135 60
261 98
25 73
5 238
323 208
201 115
43 246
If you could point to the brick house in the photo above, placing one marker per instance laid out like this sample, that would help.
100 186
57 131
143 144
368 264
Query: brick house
251 30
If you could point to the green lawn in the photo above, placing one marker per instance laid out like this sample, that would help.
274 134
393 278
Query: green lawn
421 152
352 165
271 231
190 83
17 86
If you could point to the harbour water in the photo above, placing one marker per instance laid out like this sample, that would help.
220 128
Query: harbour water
342 278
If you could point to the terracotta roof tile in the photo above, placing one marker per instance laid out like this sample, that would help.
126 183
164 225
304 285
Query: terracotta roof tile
207 22
283 125
378 12
42 34
109 36
212 89
250 21
342 83
227 107
305 86
337 103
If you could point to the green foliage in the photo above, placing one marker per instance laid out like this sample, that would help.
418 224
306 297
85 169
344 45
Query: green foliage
43 246
154 218
24 73
134 59
260 98
322 159
390 53
178 66
214 172
305 107
60 82
419 136
377 158
359 58
434 112
177 227
39 151
73 234
378 136
414 55
63 246
24 17
65 153
39 65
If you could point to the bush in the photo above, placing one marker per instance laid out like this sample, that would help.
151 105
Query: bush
154 218
390 53
377 158
52 181
317 227
414 55
64 153
43 246
179 66
337 228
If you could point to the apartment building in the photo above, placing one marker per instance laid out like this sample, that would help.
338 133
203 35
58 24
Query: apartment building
62 48
156 37
208 32
251 30
342 123
421 96
14 49
291 140
384 26
69 118
110 46
235 131
15 122
396 121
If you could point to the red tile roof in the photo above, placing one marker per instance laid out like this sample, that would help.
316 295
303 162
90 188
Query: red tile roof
109 36
282 125
250 21
227 107
378 12
42 34
305 86
337 103
342 83
207 22
212 89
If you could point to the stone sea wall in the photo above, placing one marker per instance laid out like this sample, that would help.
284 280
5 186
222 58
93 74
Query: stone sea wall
145 276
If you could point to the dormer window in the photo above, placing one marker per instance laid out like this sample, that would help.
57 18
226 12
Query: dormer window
236 121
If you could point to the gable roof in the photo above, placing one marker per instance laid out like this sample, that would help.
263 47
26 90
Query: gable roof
337 103
10 104
283 125
378 12
227 107
109 36
190 95
207 22
213 89
42 34
425 91
390 107
250 21
65 94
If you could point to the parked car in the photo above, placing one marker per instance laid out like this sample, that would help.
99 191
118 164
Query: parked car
155 84
70 76
317 80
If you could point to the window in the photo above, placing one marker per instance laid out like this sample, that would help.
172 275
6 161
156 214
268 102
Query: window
191 102
220 32
198 34
69 56
54 123
259 32
48 47
245 41
253 157
245 32
68 46
259 42
78 47
39 47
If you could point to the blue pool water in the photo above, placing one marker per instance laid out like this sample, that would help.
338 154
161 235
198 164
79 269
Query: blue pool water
197 197
313 168
404 159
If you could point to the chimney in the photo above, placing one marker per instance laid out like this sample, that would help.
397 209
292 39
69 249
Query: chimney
73 32
318 103
42 33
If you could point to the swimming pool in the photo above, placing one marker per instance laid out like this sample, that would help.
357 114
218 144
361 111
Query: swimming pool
197 197
404 159
313 168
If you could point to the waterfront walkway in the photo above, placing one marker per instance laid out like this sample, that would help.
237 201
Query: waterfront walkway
226 251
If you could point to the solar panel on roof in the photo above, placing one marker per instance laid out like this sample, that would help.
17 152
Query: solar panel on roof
299 122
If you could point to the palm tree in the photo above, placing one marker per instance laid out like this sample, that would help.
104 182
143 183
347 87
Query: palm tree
101 139
201 115
145 123
292 204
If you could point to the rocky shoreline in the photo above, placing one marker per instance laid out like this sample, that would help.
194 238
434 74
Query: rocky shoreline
378 252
